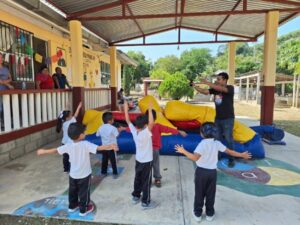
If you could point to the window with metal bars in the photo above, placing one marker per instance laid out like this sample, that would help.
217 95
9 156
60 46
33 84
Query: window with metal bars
16 51
105 73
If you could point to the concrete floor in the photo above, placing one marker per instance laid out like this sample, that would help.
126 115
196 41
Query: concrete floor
32 178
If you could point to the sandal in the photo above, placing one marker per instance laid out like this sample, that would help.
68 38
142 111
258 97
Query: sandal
157 183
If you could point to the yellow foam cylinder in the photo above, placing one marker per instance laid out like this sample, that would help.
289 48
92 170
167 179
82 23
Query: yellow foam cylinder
144 104
93 120
242 133
180 111
160 118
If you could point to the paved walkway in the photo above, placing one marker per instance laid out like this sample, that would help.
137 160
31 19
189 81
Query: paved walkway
238 201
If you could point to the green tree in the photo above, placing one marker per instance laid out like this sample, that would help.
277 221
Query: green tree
289 56
195 61
169 64
175 86
159 74
128 72
143 68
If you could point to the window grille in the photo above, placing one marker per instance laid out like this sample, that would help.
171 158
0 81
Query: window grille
105 73
16 51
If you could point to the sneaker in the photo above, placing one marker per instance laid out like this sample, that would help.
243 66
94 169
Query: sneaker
157 183
231 163
210 218
90 208
150 205
135 200
103 174
74 209
115 176
197 218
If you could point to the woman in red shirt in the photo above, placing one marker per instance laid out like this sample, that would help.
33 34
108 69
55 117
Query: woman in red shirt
43 79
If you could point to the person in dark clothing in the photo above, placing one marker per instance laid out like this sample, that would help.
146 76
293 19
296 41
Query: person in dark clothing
223 98
60 80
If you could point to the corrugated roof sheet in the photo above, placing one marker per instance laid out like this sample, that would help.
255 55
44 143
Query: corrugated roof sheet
250 25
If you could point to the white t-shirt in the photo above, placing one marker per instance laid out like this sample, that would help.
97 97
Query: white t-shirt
143 144
79 157
108 134
66 139
208 149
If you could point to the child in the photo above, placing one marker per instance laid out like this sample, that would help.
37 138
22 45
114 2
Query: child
156 143
64 120
142 137
206 157
80 173
109 135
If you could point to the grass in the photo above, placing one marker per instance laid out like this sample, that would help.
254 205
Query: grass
292 127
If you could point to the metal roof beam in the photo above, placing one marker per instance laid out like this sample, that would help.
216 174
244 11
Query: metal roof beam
193 14
99 8
182 27
182 11
281 22
214 32
226 18
176 11
145 35
284 2
180 43
135 21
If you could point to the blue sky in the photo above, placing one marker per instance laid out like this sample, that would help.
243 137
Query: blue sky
155 52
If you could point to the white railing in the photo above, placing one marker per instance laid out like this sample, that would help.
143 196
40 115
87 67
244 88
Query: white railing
96 97
24 108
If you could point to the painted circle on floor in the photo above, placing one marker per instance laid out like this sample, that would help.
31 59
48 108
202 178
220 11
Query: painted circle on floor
260 177
282 177
52 207
255 175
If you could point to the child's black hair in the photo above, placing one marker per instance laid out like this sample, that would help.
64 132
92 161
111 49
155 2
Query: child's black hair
141 121
107 116
209 130
75 130
61 119
153 114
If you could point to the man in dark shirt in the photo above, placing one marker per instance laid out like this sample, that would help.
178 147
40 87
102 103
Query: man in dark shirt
223 98
60 80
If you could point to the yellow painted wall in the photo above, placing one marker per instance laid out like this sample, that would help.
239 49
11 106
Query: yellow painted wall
91 60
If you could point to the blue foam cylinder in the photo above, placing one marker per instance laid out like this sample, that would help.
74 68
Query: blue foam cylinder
269 132
126 144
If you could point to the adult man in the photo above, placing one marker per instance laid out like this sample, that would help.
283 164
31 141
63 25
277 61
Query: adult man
60 80
223 98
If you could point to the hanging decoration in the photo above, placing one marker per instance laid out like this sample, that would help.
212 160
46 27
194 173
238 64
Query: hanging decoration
28 50
22 39
38 58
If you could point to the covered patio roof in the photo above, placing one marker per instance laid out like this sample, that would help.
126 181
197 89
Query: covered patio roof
122 20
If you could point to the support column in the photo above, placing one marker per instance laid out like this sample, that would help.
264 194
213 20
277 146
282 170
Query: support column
294 92
240 89
247 89
77 66
283 89
231 62
269 65
145 88
257 88
113 77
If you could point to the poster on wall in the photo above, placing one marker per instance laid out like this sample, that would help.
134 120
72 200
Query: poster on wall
61 54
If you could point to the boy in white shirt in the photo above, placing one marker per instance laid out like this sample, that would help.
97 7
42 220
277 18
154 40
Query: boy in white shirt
142 137
80 172
206 157
108 134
